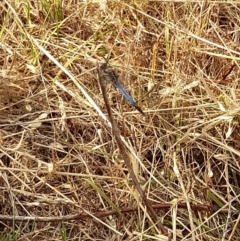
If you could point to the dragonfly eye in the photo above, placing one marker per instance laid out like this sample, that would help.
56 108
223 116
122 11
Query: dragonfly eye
103 66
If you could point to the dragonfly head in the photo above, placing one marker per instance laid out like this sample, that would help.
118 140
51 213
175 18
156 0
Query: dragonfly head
103 66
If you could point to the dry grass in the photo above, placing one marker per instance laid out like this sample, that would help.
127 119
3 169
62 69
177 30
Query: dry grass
62 174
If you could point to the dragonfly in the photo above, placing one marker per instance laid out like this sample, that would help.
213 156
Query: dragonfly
112 77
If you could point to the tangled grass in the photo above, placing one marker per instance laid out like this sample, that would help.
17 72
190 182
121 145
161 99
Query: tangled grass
63 176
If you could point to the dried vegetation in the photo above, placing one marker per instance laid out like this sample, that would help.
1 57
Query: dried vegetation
62 174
